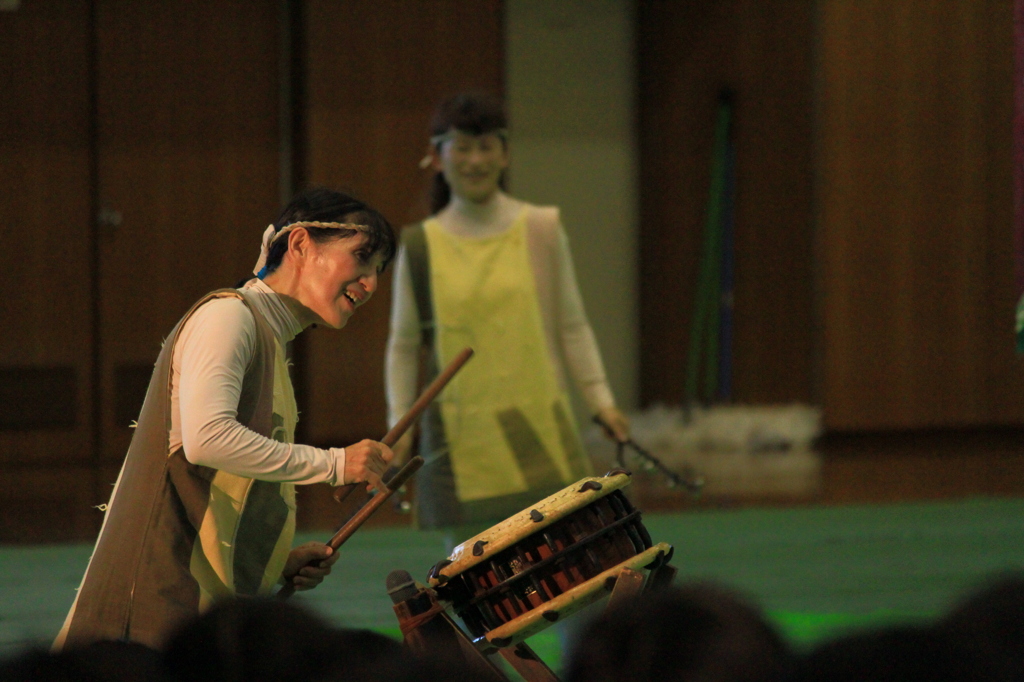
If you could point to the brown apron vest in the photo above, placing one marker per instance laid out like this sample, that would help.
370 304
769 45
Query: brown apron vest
138 586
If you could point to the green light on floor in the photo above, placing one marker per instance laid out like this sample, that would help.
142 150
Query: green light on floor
806 629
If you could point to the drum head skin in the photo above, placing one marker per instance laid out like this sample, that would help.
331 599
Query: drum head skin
482 547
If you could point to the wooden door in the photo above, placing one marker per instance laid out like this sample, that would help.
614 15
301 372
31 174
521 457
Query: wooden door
688 52
915 215
161 118
46 313
188 149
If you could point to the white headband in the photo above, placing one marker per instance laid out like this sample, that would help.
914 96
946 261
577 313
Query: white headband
449 134
269 236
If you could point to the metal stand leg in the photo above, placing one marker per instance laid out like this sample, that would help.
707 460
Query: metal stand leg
428 629
628 586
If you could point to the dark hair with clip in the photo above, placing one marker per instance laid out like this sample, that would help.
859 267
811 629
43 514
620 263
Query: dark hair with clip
319 204
476 113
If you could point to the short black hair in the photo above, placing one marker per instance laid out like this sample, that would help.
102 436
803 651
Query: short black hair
321 204
476 113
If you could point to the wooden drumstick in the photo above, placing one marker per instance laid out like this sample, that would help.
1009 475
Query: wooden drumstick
403 475
427 397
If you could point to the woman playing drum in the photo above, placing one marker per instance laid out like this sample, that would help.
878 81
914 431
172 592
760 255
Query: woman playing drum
204 507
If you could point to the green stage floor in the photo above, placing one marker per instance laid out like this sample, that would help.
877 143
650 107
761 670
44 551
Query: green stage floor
815 570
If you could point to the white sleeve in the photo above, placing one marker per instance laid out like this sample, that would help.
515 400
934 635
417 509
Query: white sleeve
215 346
579 346
401 364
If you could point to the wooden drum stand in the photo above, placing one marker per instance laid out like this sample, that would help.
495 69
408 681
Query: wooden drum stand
540 566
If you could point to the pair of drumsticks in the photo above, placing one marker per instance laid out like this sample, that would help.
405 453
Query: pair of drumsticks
403 475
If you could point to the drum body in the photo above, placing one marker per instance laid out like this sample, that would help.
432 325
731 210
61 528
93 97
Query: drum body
546 562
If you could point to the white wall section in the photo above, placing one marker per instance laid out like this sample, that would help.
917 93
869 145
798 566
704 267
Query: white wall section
570 96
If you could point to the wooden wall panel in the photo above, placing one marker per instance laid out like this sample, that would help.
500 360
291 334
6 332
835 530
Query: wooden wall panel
45 301
689 52
1003 369
189 157
915 215
375 71
45 175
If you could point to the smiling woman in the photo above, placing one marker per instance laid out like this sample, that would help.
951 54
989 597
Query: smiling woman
204 507
328 268
494 273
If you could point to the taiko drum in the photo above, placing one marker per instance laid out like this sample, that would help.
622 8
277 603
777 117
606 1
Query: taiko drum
547 561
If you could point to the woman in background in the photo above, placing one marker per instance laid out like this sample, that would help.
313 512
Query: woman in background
494 273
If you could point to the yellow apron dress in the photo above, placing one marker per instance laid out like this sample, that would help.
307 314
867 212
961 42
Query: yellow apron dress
507 428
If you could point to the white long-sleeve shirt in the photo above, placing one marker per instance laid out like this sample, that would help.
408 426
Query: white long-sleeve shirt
208 364
567 330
